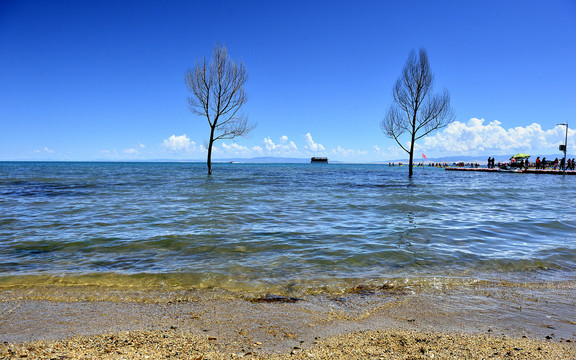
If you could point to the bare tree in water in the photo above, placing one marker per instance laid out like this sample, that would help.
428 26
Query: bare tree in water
415 110
217 93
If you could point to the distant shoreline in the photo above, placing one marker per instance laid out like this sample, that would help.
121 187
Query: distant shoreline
282 160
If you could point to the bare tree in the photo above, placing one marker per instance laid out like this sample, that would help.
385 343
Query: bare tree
217 93
415 110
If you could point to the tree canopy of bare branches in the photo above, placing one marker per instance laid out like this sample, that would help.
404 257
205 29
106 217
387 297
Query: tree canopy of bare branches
415 111
217 93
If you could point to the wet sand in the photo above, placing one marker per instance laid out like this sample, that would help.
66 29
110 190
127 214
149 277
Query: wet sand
527 322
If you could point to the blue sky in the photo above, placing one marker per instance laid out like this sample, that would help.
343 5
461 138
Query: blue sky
104 80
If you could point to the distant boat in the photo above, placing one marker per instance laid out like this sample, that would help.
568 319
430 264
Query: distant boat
319 160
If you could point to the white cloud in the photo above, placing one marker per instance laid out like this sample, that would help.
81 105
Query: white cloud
269 144
131 152
475 137
348 153
235 149
285 147
180 143
311 145
44 150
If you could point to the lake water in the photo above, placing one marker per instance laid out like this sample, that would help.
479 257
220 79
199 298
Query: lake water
281 228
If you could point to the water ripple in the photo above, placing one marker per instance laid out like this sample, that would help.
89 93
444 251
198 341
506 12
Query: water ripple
289 224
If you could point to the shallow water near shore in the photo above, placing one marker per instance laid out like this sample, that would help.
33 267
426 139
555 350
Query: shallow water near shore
291 229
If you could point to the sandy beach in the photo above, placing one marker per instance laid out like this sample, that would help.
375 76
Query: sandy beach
487 321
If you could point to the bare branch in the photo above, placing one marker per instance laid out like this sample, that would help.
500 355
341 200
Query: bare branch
393 126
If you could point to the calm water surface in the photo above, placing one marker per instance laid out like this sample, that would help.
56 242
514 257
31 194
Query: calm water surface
283 227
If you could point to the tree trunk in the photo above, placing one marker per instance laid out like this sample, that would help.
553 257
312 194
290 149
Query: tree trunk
209 159
411 162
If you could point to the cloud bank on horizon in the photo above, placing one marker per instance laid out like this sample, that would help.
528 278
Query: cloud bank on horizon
477 137
473 138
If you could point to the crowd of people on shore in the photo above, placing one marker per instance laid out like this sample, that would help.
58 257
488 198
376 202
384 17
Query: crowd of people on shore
439 165
570 164
463 164
539 164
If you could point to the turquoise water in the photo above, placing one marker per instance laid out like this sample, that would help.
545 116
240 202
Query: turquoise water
284 226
